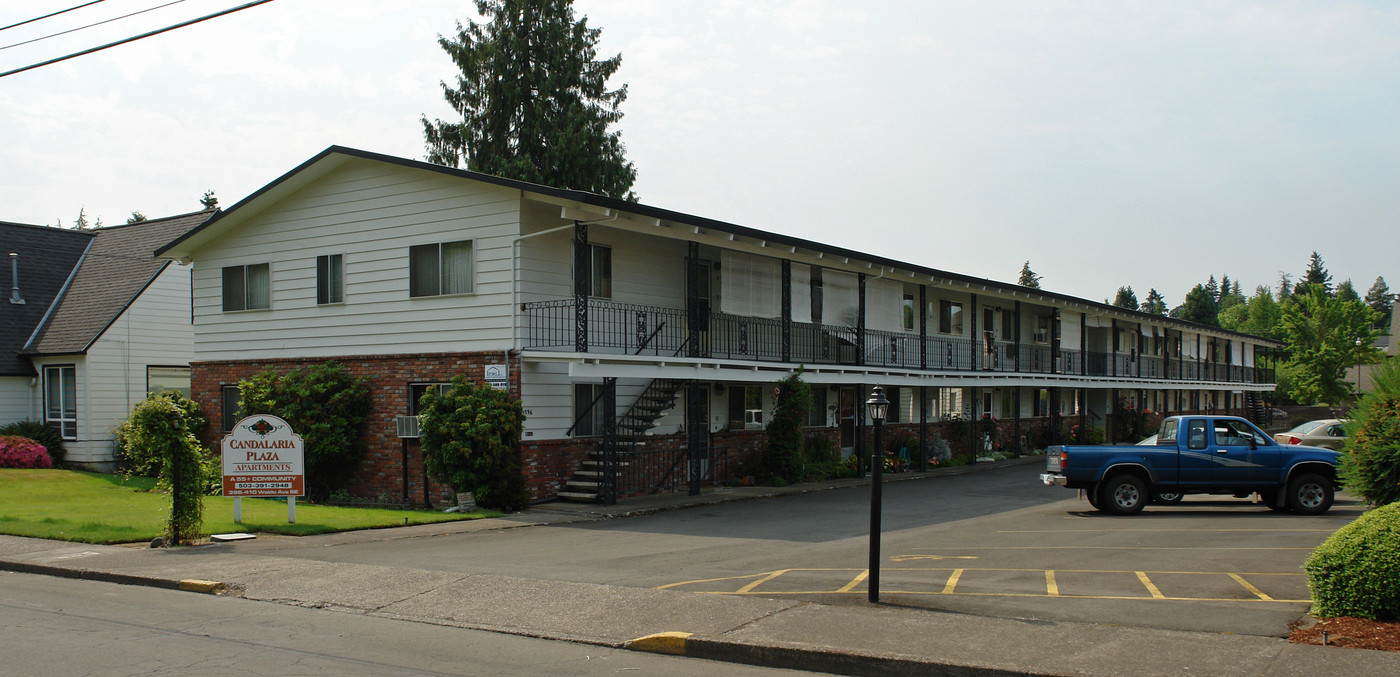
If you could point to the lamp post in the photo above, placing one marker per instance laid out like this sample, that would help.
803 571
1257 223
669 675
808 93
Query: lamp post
877 406
1358 367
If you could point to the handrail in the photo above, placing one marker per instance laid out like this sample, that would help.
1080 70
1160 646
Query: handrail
660 325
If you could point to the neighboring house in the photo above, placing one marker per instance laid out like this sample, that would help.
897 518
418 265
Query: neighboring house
119 328
644 343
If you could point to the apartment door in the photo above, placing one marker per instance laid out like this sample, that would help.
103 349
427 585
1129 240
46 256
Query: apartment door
846 417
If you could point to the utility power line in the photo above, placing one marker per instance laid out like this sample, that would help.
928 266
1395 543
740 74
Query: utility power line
99 23
135 37
41 18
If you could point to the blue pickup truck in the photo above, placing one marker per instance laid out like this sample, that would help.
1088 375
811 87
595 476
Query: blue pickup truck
1198 455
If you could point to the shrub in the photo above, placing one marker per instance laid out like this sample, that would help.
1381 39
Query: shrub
471 441
142 448
1356 572
40 432
1371 466
326 406
939 453
22 452
782 456
820 459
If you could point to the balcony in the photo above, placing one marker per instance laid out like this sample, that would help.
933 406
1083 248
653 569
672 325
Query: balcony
613 328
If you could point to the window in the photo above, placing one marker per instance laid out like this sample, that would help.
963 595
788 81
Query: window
908 306
893 413
160 379
950 317
1042 329
745 407
416 390
246 287
816 288
61 400
588 409
440 269
1008 325
330 279
1196 434
598 278
949 402
232 405
816 418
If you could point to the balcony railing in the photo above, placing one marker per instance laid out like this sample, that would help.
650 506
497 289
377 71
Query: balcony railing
621 328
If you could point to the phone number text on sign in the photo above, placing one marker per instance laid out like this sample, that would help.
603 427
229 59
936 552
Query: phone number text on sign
263 485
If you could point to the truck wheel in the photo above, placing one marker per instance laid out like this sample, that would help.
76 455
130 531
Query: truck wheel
1169 497
1124 495
1309 494
1093 495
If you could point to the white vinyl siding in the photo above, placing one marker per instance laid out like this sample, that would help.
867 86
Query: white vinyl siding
372 214
17 400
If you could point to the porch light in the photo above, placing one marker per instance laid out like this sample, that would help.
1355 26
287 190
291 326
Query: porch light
877 406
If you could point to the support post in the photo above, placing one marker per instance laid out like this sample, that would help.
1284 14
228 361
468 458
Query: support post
787 311
582 277
697 432
607 489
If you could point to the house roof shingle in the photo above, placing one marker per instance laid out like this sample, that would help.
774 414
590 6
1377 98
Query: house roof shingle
117 268
47 257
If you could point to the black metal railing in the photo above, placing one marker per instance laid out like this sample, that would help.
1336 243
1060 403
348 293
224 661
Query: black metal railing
622 328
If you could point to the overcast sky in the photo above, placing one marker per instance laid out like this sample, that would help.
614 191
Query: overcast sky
1144 143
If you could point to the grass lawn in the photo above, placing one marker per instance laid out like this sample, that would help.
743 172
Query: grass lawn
96 508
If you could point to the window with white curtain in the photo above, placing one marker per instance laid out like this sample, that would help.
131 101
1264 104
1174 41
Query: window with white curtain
750 285
884 303
246 287
840 296
441 268
330 279
801 293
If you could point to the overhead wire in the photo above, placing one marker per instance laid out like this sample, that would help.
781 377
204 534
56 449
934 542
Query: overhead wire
99 23
134 38
41 18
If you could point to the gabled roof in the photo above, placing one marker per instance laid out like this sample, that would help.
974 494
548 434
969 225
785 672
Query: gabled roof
333 157
118 267
47 257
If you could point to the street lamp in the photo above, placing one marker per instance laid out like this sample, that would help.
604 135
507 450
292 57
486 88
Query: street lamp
877 406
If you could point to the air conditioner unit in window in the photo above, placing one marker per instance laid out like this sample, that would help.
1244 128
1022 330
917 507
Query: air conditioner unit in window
408 426
753 419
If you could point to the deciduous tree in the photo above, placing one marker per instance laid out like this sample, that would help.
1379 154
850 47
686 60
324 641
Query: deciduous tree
1325 336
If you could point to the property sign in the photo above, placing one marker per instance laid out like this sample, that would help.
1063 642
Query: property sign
263 457
497 376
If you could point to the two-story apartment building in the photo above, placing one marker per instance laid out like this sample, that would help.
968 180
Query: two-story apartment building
651 334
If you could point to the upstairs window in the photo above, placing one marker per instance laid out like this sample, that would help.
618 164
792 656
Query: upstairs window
161 379
1008 325
440 269
950 317
247 287
908 308
330 279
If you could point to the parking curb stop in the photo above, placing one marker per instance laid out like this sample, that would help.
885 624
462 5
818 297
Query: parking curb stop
196 585
672 643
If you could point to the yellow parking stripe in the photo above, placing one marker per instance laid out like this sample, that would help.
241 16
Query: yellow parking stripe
1239 579
855 581
952 582
1156 594
1051 587
763 580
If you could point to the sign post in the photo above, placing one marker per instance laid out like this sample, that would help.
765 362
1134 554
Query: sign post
263 457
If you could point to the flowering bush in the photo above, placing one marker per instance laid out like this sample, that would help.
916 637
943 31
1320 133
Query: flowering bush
22 452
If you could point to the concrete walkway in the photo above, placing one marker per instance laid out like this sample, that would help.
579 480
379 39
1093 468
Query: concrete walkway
844 639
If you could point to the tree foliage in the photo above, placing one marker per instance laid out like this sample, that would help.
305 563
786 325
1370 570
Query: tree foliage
208 199
1371 466
160 438
1199 306
782 458
1379 299
1154 304
534 100
1125 298
1325 336
1028 277
471 441
1316 274
324 404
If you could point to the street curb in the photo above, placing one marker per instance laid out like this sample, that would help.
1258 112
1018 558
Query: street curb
811 659
89 575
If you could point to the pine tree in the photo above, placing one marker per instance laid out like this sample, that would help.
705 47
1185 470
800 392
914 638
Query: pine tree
1316 274
1028 278
136 217
534 102
1224 289
1213 289
1380 299
1347 292
1199 307
1126 298
1285 286
1155 303
208 199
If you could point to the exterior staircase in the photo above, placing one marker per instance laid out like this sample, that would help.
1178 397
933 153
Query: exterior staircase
586 485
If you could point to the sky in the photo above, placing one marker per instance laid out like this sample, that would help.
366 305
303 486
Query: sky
1141 143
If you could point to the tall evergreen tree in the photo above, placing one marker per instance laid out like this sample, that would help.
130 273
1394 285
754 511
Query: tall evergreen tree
534 101
1285 286
1347 292
1199 307
1155 303
1379 298
1028 277
1224 289
1213 290
1315 274
1126 298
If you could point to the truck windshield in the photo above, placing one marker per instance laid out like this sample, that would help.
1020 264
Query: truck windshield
1167 433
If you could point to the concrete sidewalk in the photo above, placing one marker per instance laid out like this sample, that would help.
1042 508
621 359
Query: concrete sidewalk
855 639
